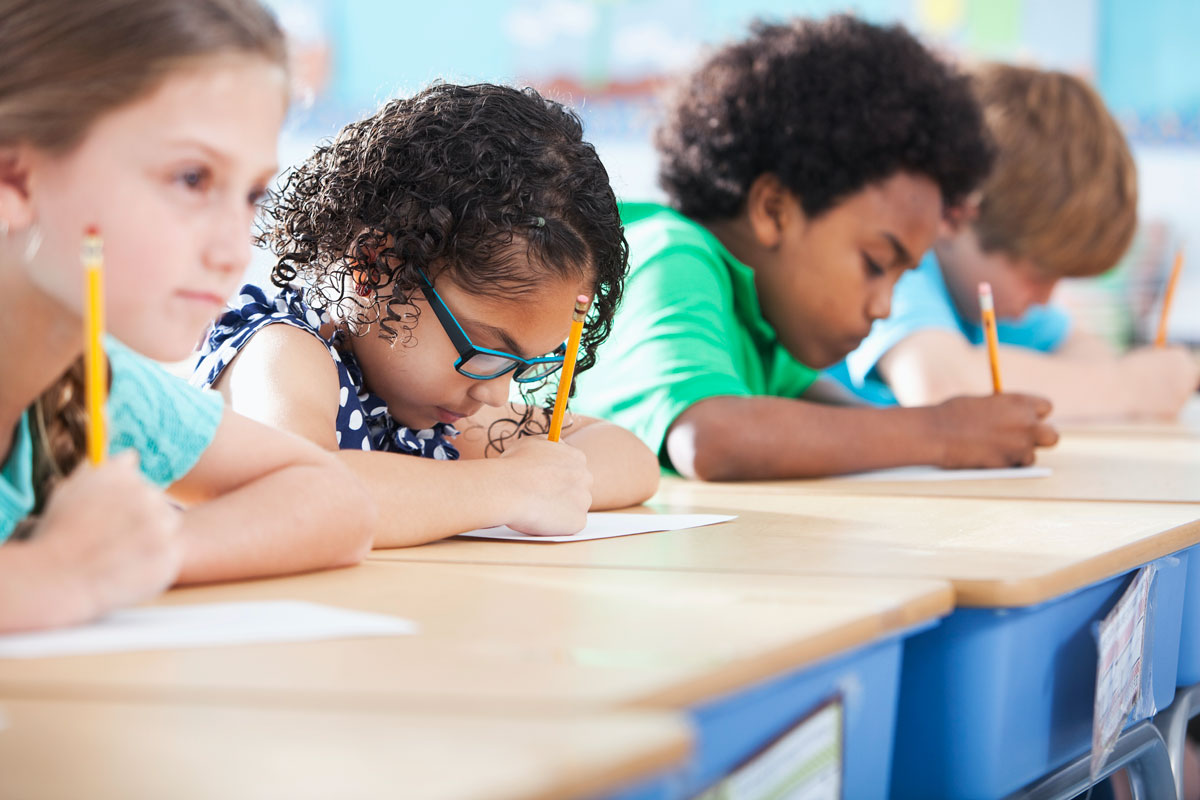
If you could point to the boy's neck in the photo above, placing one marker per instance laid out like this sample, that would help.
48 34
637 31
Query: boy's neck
736 235
963 297
40 341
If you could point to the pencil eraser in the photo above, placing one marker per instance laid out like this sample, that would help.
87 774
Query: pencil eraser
985 287
92 230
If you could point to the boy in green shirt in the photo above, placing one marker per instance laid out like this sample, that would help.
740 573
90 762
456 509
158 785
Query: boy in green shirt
809 166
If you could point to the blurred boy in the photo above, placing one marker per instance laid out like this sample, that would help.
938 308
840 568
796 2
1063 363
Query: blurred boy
1060 202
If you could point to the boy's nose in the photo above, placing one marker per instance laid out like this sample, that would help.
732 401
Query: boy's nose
880 304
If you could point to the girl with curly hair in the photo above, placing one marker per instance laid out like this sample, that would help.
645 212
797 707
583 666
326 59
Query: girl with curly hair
428 257
155 120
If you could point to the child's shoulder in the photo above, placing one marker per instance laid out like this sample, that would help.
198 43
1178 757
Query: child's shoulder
660 235
661 223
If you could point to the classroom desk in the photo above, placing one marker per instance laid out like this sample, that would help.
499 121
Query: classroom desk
1161 469
998 553
107 749
1031 578
739 653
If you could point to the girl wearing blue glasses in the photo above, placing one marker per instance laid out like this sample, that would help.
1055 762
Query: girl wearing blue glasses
428 257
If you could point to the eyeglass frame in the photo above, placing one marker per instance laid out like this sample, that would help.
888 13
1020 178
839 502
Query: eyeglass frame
468 350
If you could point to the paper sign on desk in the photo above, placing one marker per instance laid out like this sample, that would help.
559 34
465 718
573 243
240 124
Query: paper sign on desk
204 625
1121 645
921 474
803 764
605 525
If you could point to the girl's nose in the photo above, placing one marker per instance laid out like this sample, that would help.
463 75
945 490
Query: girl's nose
491 393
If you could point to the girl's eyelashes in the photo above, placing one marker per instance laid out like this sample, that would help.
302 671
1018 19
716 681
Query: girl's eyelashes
256 196
194 179
201 180
873 268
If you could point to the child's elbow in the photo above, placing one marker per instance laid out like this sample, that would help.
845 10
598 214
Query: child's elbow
645 474
701 452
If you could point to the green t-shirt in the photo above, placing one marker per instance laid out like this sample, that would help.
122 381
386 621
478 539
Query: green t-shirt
167 421
689 327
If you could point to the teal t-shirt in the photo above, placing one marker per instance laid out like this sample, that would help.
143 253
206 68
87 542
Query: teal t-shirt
167 421
689 327
922 301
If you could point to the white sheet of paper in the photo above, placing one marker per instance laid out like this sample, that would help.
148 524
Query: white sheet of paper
204 625
923 474
605 525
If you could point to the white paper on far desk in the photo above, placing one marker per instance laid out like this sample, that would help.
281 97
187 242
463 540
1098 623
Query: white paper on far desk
204 625
605 525
938 474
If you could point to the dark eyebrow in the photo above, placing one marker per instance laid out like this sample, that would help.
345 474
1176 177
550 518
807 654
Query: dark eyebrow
499 333
902 255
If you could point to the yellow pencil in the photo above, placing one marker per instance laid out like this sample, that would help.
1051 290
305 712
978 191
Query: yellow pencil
568 368
95 372
988 311
1161 339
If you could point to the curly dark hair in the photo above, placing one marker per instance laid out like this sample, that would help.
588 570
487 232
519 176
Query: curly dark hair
828 107
491 185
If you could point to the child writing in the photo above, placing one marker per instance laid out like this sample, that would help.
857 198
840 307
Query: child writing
807 168
156 121
440 246
1060 202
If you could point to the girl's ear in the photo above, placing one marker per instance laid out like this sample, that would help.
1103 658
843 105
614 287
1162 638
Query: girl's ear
15 208
771 209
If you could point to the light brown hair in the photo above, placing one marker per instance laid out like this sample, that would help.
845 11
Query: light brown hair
64 64
1063 192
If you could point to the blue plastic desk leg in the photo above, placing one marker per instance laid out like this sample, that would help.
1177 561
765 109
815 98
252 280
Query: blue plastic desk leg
1141 749
1172 723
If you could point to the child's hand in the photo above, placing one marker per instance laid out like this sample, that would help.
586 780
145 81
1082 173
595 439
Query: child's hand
551 485
1160 380
111 536
996 431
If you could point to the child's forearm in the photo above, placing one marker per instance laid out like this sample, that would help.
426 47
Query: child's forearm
421 500
931 367
1080 389
763 438
296 519
625 471
36 591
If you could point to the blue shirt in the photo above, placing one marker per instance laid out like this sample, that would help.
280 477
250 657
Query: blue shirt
922 301
169 423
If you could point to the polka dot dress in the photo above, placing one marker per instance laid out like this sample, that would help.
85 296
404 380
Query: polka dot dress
363 422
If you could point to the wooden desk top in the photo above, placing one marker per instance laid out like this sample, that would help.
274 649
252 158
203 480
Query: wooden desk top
995 553
1157 469
530 638
121 750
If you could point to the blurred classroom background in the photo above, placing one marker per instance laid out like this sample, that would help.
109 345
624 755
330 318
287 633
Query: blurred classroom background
610 59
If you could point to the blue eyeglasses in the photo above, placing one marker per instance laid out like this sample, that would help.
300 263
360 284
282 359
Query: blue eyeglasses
481 363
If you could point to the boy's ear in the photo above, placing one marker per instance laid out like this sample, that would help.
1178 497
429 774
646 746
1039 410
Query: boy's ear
770 209
955 219
15 208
